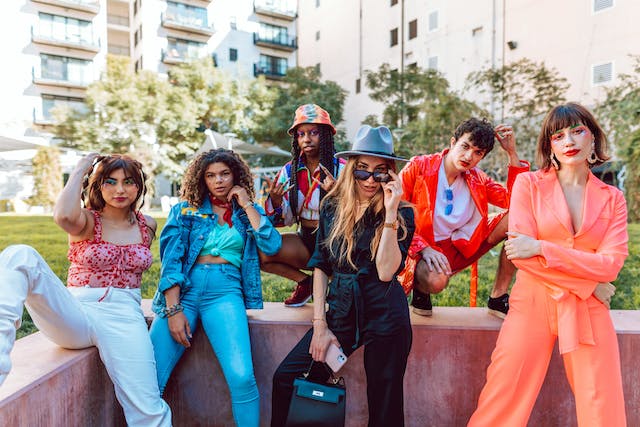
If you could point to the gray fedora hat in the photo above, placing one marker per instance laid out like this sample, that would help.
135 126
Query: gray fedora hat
370 141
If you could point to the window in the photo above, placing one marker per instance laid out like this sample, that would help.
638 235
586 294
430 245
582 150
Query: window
476 31
602 73
357 85
271 65
135 38
432 62
185 50
317 67
433 21
135 8
49 102
413 65
233 23
274 34
66 69
233 55
188 15
65 29
413 29
317 3
599 5
394 37
394 2
317 35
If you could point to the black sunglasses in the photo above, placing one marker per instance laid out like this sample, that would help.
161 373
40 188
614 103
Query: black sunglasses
363 175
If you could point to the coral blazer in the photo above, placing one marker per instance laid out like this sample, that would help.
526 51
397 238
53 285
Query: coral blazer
572 262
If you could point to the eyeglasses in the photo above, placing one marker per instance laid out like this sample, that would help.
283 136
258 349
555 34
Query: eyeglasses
448 194
312 132
378 176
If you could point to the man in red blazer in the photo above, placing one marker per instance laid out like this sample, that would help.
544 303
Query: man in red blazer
453 229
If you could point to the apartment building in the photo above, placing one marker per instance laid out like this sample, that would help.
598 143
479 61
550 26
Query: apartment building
587 41
53 50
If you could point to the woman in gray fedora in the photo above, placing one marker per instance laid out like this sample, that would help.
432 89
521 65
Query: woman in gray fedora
364 234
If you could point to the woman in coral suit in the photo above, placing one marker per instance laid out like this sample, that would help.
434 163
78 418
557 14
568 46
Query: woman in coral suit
568 238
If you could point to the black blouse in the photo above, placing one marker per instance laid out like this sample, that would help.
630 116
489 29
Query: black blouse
358 300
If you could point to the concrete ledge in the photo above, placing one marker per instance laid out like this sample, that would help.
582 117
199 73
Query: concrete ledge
51 386
445 373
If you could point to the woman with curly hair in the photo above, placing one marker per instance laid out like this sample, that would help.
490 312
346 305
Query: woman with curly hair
294 198
363 238
109 243
210 271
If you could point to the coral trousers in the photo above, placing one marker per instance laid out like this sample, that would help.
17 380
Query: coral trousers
73 318
521 358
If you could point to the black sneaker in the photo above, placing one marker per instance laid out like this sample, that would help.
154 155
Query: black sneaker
422 303
499 307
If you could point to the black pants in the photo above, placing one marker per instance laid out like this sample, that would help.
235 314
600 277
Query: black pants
385 360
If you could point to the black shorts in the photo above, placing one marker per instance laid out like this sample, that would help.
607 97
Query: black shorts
308 237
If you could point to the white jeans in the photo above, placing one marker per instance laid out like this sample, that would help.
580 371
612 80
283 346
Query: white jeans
74 318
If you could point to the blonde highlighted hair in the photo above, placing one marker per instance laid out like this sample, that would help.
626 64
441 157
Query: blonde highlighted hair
344 196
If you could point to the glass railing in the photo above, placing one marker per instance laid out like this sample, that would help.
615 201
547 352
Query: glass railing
269 70
282 7
194 21
75 76
279 40
69 37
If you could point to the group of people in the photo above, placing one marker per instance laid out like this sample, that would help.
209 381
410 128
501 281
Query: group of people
370 232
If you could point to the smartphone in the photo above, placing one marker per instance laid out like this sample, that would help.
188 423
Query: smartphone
335 358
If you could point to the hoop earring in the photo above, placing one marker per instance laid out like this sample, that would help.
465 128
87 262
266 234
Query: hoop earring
593 157
554 162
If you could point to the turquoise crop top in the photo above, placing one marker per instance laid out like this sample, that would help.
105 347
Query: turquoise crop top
224 242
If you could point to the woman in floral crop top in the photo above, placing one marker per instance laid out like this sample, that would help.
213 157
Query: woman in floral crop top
109 243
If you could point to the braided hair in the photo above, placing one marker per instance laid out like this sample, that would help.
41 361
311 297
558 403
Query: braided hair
326 149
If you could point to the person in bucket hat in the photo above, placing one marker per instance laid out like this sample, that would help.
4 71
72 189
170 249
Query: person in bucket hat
295 195
364 234
453 229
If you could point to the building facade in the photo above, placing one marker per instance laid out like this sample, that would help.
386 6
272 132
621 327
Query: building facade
587 41
54 49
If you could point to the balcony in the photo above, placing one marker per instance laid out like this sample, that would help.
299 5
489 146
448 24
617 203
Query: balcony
282 42
72 42
115 49
60 79
118 22
192 24
174 56
268 8
91 6
270 72
40 120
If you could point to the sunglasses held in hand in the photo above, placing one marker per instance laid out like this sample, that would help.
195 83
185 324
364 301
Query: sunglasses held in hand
378 176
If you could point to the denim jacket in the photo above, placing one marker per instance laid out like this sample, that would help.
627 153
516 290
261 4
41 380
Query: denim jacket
186 232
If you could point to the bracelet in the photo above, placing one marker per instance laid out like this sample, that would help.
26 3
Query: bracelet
172 310
393 224
246 205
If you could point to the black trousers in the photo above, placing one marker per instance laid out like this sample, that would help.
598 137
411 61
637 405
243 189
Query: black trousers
385 360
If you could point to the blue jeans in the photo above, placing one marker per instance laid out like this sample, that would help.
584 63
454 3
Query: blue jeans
215 299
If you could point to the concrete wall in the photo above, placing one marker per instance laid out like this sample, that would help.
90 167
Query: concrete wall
445 373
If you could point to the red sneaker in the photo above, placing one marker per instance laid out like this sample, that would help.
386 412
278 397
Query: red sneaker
301 294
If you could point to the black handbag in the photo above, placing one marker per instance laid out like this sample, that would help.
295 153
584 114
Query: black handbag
317 405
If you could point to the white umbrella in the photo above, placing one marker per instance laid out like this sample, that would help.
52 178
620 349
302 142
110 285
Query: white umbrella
217 140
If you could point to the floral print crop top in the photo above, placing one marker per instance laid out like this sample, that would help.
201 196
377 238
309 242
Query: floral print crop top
98 264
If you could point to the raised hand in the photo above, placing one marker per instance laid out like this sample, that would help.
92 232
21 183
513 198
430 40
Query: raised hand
277 191
392 192
240 193
329 180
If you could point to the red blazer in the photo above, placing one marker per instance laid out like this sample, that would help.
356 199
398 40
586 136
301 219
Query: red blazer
419 184
572 262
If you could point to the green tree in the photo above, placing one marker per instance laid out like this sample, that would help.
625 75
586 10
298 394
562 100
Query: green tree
619 114
521 93
300 86
159 120
419 107
47 177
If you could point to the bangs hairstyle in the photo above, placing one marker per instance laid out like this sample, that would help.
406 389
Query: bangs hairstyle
102 168
194 188
562 117
344 196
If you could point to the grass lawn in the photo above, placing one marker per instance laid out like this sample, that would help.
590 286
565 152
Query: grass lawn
41 233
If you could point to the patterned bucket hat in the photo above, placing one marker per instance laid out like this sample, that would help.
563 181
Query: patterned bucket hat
311 113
